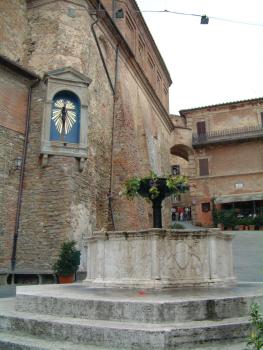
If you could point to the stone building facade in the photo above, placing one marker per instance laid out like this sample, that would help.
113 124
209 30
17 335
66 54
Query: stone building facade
179 159
116 85
226 158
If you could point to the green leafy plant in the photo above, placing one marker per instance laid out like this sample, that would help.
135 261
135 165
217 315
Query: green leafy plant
241 221
258 221
174 184
155 189
131 187
255 340
227 218
250 221
246 221
68 260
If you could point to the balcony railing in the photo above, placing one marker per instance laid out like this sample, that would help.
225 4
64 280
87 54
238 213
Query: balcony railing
228 135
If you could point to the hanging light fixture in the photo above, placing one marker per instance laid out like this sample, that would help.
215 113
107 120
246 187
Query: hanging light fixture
204 19
119 13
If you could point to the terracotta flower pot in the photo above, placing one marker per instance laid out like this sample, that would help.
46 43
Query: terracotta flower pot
66 279
241 227
252 227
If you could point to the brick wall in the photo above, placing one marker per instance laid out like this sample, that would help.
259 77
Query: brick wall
59 202
13 100
11 146
133 28
13 28
13 107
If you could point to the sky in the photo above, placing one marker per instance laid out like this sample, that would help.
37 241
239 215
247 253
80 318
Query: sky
209 64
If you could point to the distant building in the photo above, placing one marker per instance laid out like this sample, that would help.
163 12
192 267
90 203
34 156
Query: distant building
226 159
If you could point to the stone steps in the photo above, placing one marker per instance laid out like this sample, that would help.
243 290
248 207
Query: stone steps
19 341
62 315
140 309
123 334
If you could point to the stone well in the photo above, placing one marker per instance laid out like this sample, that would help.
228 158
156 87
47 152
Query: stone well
160 258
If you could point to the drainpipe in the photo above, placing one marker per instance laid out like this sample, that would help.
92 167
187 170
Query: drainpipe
113 89
112 134
101 55
22 175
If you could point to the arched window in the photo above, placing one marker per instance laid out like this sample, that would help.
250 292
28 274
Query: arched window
65 117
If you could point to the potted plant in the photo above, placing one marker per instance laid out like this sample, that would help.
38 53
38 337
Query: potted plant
227 218
240 223
251 223
258 220
68 262
155 189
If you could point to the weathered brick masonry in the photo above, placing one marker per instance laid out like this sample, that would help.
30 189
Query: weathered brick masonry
13 28
128 129
14 89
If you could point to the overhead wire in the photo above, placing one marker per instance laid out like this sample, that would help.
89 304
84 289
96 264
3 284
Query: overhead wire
198 15
187 14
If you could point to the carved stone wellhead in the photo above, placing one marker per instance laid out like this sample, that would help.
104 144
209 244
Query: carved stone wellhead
160 258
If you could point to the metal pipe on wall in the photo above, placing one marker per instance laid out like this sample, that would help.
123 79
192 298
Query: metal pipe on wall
113 89
22 176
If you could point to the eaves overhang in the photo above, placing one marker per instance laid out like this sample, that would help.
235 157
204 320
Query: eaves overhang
18 68
224 104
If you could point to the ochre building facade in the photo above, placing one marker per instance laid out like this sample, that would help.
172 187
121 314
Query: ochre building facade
225 161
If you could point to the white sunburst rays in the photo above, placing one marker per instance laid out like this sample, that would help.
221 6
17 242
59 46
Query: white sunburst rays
71 115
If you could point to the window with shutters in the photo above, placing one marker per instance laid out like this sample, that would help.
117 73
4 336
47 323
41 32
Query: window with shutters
203 167
201 128
201 131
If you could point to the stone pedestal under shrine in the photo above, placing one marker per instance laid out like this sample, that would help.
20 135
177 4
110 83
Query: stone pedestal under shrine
160 258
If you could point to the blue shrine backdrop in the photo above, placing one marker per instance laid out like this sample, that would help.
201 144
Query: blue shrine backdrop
74 111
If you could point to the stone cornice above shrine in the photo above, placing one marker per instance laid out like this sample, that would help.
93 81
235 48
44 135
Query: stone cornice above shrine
68 74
